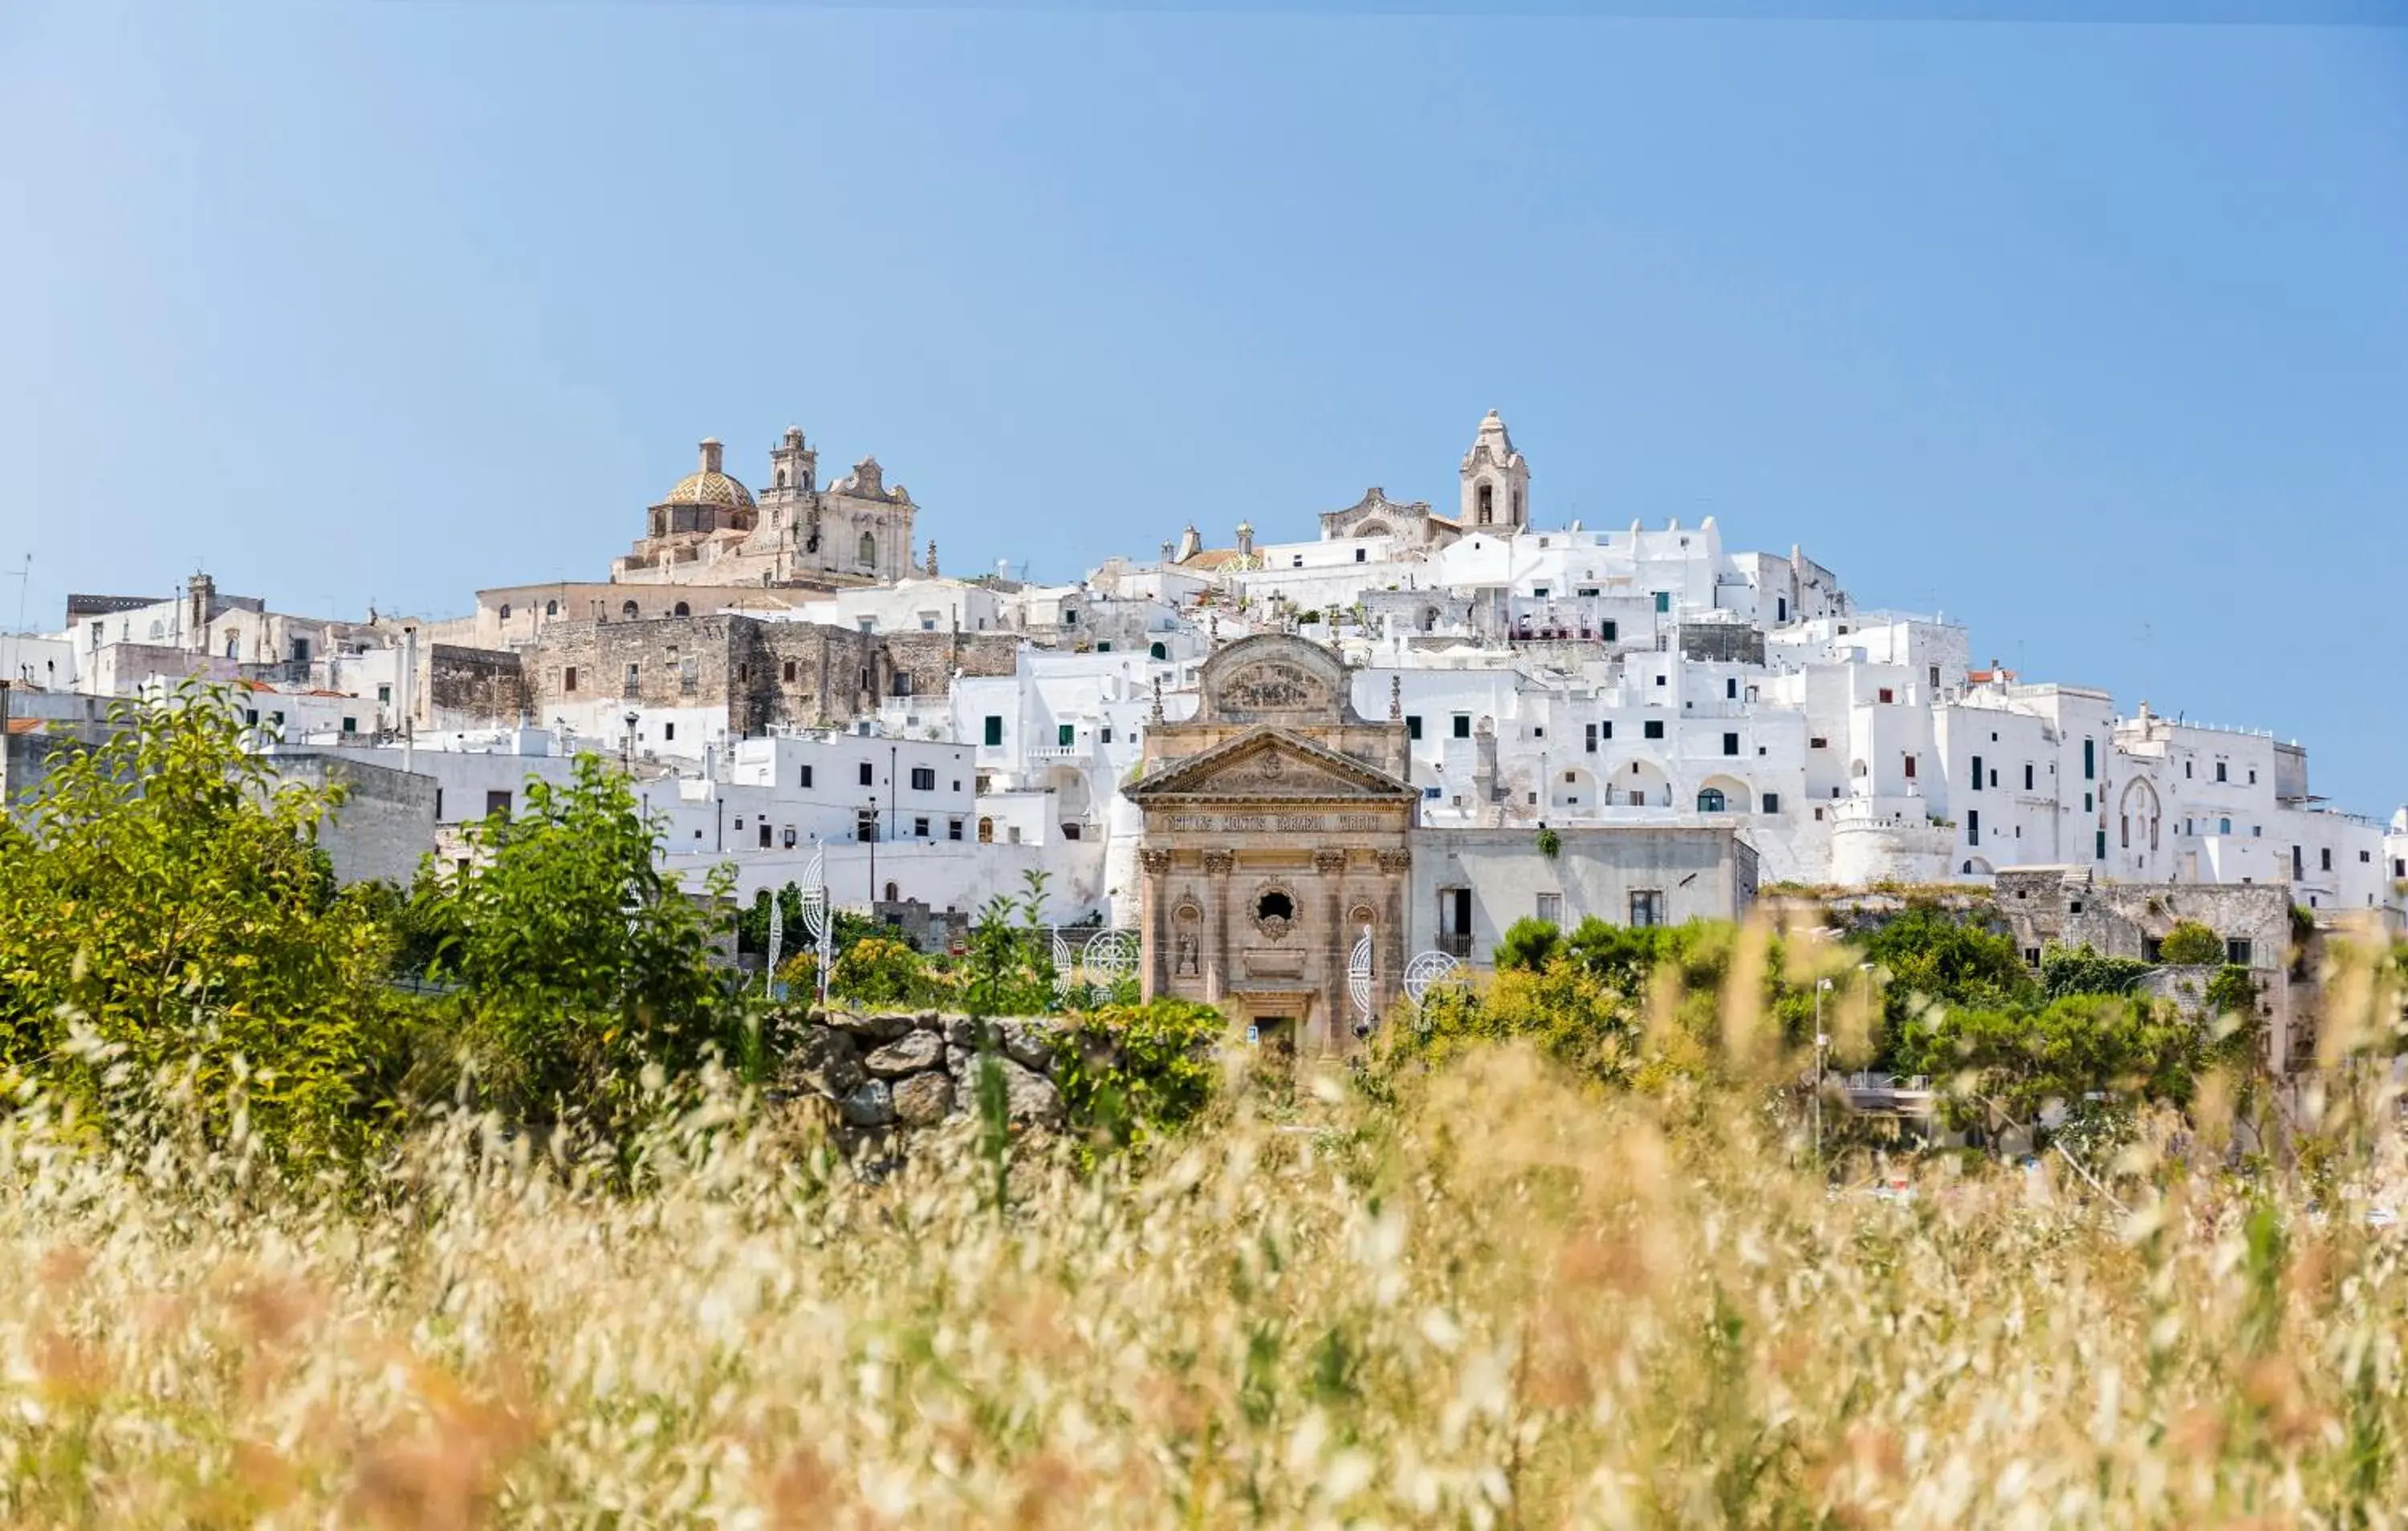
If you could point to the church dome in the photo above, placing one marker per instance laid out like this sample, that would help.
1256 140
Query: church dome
708 486
713 489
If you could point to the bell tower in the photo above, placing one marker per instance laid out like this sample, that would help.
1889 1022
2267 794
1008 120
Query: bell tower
1496 480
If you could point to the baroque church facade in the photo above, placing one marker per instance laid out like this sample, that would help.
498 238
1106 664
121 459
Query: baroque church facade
711 530
1277 834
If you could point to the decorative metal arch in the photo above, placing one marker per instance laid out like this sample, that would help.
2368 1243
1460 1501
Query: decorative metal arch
1430 970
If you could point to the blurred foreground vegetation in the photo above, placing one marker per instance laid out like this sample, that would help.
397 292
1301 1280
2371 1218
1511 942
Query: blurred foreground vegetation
282 1243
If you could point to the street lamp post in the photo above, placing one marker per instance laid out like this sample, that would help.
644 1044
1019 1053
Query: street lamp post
873 853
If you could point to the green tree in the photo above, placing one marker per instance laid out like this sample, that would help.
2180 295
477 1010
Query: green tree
578 962
1933 959
2191 944
164 895
2006 1065
1531 943
2084 971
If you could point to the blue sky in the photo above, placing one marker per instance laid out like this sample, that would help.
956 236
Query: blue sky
2095 337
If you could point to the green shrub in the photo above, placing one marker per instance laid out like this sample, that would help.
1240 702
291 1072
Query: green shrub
2191 944
2084 971
879 970
1130 1073
1529 944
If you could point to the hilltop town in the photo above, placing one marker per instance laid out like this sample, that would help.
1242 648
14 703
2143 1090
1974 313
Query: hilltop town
1417 722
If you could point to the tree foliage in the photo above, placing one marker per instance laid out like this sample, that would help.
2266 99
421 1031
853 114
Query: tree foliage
163 907
2084 971
577 961
2191 944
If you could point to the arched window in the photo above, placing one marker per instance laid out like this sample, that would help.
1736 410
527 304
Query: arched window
627 609
505 611
781 476
894 894
986 832
681 610
1710 800
868 556
1158 650
552 608
2224 827
232 644
1487 504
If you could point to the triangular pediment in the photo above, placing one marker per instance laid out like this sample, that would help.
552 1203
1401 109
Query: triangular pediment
1269 764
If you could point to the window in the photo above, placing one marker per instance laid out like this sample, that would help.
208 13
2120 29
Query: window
1105 647
790 672
497 801
351 725
2219 771
919 829
865 825
681 610
1887 694
1781 608
1274 905
1066 735
1910 767
635 677
2028 776
1412 725
1105 734
1647 906
1659 680
1935 677
438 802
764 833
952 829
1730 689
2185 770
384 694
1609 633
1772 802
1818 744
1551 909
1540 592
251 717
505 611
1069 617
2252 776
1663 600
2224 827
2237 953
1487 502
1710 800
552 608
668 732
867 778
803 777
866 555
1731 744
1360 555
986 832
1652 728
923 778
1157 650
2099 853
1972 826
627 609
1589 739
2326 854
2090 760
1977 773
992 735
1463 726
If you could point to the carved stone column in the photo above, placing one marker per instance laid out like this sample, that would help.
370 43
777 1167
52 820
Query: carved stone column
1217 963
1156 866
1338 1009
1396 889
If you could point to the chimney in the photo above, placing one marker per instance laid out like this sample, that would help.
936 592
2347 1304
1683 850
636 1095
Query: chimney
1191 542
710 455
1245 538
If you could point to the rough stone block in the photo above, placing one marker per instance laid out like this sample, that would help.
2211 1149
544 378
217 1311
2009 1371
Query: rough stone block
923 1100
908 1054
871 1105
881 1027
825 1062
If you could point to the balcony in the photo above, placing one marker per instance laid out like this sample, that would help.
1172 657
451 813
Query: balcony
1456 943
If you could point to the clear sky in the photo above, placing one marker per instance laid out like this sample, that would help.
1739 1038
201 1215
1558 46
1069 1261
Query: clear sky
2094 336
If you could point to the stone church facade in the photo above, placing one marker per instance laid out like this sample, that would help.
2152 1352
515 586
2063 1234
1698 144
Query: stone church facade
1278 824
708 529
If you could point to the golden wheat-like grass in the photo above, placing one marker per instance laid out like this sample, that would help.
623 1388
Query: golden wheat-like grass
1501 1301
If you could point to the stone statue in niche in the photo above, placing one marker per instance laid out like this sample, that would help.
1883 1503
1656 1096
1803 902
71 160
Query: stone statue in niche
1184 950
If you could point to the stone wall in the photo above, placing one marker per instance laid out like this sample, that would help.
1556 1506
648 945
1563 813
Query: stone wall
882 1075
385 825
466 688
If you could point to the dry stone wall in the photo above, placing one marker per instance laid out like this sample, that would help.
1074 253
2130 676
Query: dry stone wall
885 1074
